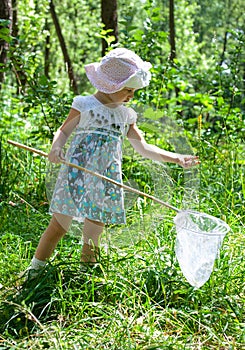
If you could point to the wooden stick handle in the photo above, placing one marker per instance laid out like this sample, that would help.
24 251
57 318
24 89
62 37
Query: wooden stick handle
130 189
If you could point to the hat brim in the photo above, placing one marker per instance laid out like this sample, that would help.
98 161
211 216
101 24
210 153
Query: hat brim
101 81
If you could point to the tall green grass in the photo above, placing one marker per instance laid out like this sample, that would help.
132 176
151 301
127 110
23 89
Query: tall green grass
136 299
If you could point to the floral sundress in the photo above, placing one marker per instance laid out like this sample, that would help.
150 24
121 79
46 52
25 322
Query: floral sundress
96 146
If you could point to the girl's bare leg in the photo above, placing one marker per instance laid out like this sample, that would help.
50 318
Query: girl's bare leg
57 228
91 234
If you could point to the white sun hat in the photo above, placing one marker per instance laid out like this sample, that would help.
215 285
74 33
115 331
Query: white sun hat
118 69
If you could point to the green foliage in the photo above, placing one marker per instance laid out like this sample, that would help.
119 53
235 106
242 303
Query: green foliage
138 299
43 101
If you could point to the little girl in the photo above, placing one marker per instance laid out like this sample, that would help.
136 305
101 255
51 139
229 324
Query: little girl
100 121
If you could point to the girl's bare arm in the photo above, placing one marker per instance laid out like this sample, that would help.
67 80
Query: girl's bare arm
71 122
155 153
62 134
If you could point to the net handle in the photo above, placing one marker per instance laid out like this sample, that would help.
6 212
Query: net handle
121 185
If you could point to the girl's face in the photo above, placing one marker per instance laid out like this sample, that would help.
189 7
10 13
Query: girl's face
116 98
123 95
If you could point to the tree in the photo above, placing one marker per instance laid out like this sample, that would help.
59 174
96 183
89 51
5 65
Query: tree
63 48
109 19
17 64
5 29
172 31
47 50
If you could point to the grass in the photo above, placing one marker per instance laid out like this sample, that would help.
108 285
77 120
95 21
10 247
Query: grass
137 299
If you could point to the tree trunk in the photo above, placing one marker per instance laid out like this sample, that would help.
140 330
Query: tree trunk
172 31
15 29
47 50
109 19
5 14
67 60
17 65
172 38
222 58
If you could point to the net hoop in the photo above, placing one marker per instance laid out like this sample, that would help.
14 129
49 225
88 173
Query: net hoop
213 226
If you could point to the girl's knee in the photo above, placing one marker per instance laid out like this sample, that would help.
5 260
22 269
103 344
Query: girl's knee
92 231
61 222
92 222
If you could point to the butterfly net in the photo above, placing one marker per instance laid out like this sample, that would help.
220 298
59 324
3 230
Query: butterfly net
199 237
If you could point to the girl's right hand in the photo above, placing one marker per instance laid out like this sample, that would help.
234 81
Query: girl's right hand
56 155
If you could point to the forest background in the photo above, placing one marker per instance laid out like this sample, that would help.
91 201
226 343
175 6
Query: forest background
195 102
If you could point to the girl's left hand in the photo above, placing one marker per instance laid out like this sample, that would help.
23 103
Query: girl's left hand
56 155
188 161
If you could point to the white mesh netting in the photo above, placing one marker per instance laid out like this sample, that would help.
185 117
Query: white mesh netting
199 237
